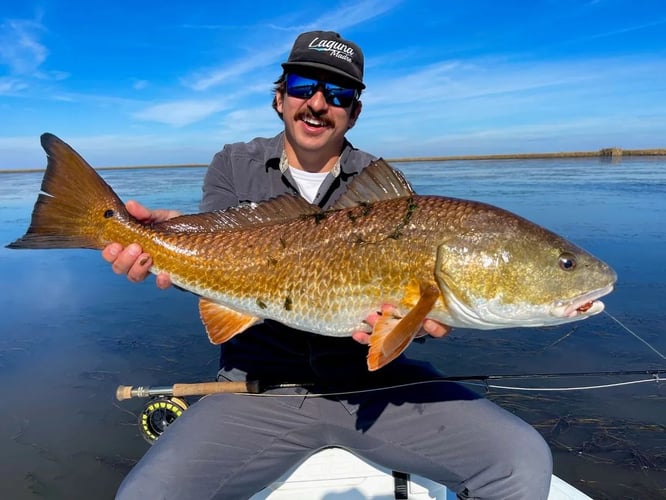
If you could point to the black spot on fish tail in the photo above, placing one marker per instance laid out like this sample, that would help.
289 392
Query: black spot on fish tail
287 303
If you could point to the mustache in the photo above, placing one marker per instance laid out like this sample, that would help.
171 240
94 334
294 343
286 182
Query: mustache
304 115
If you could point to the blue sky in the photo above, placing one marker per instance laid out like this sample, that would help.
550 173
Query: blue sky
145 83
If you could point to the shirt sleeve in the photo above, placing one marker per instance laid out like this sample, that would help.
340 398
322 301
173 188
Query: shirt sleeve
219 192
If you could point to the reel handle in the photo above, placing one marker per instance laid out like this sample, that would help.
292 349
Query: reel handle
124 392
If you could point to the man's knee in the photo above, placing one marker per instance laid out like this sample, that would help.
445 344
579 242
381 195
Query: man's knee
531 465
518 466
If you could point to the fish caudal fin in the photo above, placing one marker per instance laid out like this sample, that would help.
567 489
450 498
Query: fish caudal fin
75 202
391 335
223 323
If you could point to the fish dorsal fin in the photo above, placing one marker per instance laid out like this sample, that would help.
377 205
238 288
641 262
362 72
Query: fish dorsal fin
378 181
280 209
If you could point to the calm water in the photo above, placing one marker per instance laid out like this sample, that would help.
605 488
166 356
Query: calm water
72 331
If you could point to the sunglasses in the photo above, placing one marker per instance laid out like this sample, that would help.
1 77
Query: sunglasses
304 88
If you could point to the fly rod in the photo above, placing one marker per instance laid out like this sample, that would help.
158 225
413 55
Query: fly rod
124 392
254 387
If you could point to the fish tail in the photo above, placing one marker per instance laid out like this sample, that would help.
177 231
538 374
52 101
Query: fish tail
74 205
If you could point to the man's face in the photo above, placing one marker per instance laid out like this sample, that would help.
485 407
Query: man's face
311 123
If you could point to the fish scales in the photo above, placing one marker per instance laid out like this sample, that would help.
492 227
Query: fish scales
308 271
460 262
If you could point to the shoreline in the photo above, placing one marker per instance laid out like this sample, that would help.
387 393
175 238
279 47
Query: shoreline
613 153
602 153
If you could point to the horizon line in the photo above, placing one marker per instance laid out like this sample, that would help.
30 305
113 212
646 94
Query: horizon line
613 152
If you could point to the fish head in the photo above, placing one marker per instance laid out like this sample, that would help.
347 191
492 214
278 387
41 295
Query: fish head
504 271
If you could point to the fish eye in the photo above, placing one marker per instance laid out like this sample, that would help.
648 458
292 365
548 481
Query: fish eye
567 261
109 213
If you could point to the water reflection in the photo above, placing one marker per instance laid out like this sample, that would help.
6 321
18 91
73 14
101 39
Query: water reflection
72 331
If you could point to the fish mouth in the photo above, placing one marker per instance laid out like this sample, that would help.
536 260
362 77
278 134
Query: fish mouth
583 305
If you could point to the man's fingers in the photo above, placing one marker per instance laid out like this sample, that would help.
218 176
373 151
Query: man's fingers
361 337
138 211
435 328
111 251
163 281
145 215
132 261
140 269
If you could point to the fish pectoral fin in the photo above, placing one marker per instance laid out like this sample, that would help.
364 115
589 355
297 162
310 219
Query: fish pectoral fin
391 334
223 323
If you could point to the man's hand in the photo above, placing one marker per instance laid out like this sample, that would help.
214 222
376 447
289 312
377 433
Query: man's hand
430 326
131 260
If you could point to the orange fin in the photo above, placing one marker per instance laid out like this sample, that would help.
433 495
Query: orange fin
391 335
223 323
75 206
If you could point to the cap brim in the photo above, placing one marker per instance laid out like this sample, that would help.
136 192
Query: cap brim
295 65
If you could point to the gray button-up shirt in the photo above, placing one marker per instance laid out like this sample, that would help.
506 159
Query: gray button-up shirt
250 171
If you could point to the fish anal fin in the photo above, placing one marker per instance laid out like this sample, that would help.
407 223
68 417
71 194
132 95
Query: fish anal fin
391 334
223 323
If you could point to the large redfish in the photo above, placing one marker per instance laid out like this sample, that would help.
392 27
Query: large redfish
463 263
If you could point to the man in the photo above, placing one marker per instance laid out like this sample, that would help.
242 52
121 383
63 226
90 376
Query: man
231 446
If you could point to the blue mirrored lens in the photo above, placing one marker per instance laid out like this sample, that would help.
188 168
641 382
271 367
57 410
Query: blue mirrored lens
304 88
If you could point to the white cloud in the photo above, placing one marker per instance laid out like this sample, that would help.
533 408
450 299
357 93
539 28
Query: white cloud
20 48
140 84
266 54
10 86
502 106
244 124
205 79
180 113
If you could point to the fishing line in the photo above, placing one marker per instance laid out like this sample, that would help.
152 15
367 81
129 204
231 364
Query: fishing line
466 379
635 335
485 378
166 403
563 389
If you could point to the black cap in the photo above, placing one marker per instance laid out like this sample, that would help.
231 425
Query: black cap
327 50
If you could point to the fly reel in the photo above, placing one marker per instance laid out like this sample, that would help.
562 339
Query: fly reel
165 404
158 414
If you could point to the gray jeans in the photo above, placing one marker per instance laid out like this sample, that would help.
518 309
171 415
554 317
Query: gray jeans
229 446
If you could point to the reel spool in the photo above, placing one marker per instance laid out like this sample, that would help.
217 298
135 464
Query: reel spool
158 414
165 405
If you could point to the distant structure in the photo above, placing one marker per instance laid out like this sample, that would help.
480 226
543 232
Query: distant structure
612 152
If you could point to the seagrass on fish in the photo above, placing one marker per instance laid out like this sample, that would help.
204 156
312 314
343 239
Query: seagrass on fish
460 262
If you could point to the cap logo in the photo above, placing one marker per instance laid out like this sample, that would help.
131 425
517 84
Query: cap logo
333 47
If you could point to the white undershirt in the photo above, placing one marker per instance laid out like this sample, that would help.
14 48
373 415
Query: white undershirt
308 183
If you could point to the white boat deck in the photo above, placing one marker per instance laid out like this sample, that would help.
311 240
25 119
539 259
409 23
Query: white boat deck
334 473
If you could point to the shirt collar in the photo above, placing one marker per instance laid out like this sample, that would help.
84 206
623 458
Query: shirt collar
277 157
284 164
